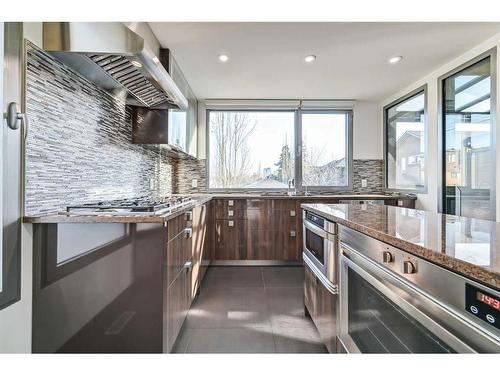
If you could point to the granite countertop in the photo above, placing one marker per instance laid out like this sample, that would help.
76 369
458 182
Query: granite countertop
307 197
107 218
197 200
470 247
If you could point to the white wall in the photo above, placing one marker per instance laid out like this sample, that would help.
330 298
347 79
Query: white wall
429 201
367 131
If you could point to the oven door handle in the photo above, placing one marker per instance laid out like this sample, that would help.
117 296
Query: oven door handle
318 231
412 301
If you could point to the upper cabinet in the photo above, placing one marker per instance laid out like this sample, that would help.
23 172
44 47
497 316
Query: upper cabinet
182 124
173 126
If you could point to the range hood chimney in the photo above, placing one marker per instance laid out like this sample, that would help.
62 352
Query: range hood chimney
116 59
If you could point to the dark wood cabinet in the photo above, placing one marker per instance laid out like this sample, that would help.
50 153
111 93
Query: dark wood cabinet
230 209
178 303
285 224
199 247
266 228
178 280
230 239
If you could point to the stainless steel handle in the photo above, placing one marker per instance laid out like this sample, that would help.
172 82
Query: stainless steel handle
293 233
188 265
14 117
320 232
188 232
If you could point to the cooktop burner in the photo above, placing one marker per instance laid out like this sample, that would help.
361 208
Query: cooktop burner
138 205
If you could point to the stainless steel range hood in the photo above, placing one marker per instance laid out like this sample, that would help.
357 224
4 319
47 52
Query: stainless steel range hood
116 59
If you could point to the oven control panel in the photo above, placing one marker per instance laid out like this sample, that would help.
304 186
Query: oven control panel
317 220
482 304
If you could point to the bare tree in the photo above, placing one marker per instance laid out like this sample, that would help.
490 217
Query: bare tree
230 132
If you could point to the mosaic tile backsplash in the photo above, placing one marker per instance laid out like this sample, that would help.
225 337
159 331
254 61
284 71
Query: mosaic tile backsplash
79 148
369 169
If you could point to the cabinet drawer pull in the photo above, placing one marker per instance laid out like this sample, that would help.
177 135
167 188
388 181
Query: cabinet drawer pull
292 233
230 203
188 265
292 213
188 232
230 213
230 223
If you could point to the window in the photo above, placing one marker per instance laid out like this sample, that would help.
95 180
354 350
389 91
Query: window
251 149
468 147
325 149
255 150
405 142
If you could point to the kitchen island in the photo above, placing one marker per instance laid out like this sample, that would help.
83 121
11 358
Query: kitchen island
404 280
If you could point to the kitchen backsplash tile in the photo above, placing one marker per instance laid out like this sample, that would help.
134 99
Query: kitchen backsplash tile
369 169
79 147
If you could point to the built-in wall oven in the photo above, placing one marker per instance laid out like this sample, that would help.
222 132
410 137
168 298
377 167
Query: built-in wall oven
393 302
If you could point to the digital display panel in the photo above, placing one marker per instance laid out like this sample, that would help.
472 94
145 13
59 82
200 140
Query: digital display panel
493 302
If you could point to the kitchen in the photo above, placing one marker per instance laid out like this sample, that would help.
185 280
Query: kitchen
169 187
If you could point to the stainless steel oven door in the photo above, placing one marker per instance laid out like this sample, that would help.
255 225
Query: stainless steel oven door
381 312
319 247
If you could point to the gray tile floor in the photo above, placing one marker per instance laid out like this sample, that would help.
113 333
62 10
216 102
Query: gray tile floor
249 310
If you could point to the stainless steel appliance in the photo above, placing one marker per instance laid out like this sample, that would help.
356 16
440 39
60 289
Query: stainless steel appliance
320 248
139 206
393 302
115 58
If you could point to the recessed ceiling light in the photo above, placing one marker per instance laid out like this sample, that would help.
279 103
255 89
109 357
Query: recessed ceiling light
395 59
156 60
136 63
310 59
223 57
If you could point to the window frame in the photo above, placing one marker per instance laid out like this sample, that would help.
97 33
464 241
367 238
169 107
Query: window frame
298 162
423 190
492 54
299 187
207 139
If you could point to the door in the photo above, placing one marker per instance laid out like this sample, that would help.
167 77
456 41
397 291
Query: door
468 134
14 317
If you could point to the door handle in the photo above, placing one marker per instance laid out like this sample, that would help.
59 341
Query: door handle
14 116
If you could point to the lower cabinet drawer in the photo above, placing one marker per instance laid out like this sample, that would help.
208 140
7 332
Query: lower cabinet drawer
178 301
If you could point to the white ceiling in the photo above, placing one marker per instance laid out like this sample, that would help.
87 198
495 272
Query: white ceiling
266 60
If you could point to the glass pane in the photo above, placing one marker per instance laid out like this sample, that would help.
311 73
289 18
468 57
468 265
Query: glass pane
468 142
377 325
406 144
324 149
251 150
177 124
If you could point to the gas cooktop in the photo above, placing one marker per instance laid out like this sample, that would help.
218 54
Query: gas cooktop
137 206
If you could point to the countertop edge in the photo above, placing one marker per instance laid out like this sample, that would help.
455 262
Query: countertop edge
459 266
60 218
